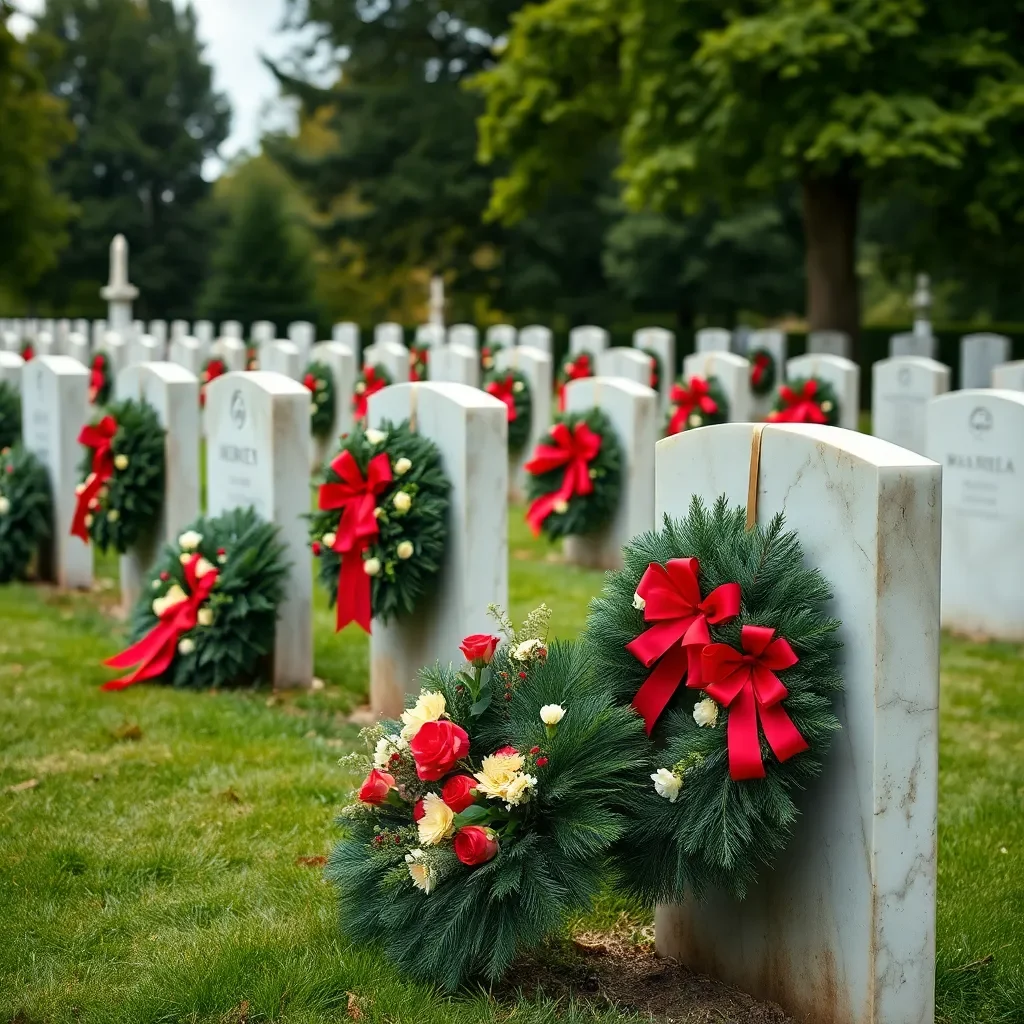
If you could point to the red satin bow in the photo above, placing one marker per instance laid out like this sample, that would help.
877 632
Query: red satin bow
579 368
680 631
97 378
759 369
688 399
28 353
800 407
309 382
504 391
98 437
214 369
575 450
153 654
747 684
373 385
356 496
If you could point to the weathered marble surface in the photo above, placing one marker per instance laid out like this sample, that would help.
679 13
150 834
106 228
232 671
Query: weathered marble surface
913 343
389 332
258 455
588 338
627 363
500 334
464 334
54 408
980 354
455 364
11 365
829 343
842 374
470 428
978 438
117 350
282 357
663 342
535 365
901 389
1009 376
537 336
392 356
712 339
342 361
842 930
633 411
733 373
232 351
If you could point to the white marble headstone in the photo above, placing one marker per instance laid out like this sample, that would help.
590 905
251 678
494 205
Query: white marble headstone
470 429
842 374
11 365
713 339
501 335
537 336
776 344
464 334
342 362
44 344
231 329
158 330
588 338
392 356
232 351
901 389
842 928
189 353
430 335
10 341
535 365
179 329
913 343
98 332
456 364
77 347
1009 376
980 354
302 334
262 331
146 349
257 426
347 332
81 326
662 342
389 332
282 357
61 332
733 373
626 363
203 331
116 349
829 343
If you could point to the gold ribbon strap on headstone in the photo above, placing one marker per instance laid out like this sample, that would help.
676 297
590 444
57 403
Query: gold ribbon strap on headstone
414 395
754 476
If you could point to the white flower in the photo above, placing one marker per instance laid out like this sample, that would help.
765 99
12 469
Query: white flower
567 367
667 784
376 436
121 462
80 489
190 540
175 595
88 520
113 515
5 505
372 566
205 616
695 420
186 645
202 568
518 387
526 650
826 406
329 539
518 790
321 385
437 821
552 714
156 584
423 876
405 550
222 558
386 746
429 707
360 387
706 713
378 512
497 773
184 558
402 501
638 602
402 466
560 507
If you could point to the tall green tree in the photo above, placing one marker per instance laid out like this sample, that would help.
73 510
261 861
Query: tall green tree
142 99
843 98
33 128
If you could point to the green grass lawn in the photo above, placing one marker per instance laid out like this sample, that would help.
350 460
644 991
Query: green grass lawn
159 850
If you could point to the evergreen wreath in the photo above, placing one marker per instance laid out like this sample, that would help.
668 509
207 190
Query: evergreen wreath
488 355
763 371
252 356
122 474
320 381
373 379
806 400
419 362
10 414
513 388
207 618
575 368
381 525
101 379
26 510
213 368
28 350
722 804
697 403
656 368
575 476
486 816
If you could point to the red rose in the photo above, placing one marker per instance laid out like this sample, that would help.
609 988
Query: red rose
479 648
456 792
475 845
376 787
436 748
506 752
417 810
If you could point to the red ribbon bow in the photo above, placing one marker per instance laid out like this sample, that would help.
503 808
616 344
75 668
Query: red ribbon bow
97 377
680 631
28 353
686 400
504 391
799 407
761 363
309 382
575 450
98 437
356 496
746 683
373 385
579 368
153 654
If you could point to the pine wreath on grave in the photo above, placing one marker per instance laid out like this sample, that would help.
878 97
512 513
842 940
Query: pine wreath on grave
486 816
208 616
213 368
656 368
381 525
252 356
513 388
578 367
319 380
373 379
419 362
806 400
717 634
763 371
26 510
696 403
489 354
10 414
122 477
101 379
575 476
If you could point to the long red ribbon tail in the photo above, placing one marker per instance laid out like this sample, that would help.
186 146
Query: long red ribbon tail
354 591
653 696
152 655
78 527
743 742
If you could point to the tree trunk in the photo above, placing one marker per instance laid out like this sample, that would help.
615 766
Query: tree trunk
831 207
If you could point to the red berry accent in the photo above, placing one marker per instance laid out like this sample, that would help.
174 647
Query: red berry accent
534 750
504 675
541 761
522 675
508 696
395 757
316 548
165 576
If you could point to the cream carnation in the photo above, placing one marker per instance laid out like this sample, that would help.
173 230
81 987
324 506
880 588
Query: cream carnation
706 712
376 436
437 821
552 714
667 784
405 549
5 505
202 568
121 462
113 515
560 507
402 466
422 875
190 540
386 746
329 539
639 603
497 773
428 708
518 790
175 595
527 649
186 645
371 566
402 501
205 616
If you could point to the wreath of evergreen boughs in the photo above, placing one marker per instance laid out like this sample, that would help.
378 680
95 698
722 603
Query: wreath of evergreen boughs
513 388
10 414
419 362
230 631
806 400
252 356
26 510
373 379
706 822
101 379
129 474
763 371
508 837
696 403
489 354
399 540
557 507
320 382
576 368
656 368
213 368
28 351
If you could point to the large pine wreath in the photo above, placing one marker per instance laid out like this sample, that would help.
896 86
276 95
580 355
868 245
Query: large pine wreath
708 820
763 371
806 400
101 379
383 516
10 414
489 355
419 362
513 388
207 617
320 381
696 402
26 510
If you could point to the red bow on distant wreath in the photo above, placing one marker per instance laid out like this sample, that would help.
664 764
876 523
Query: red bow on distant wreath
356 496
687 400
679 633
153 654
214 368
309 382
504 391
799 407
98 437
762 361
373 385
746 683
578 369
97 377
575 450
28 353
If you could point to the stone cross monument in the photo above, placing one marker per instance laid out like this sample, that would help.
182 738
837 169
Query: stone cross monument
436 315
922 303
119 293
